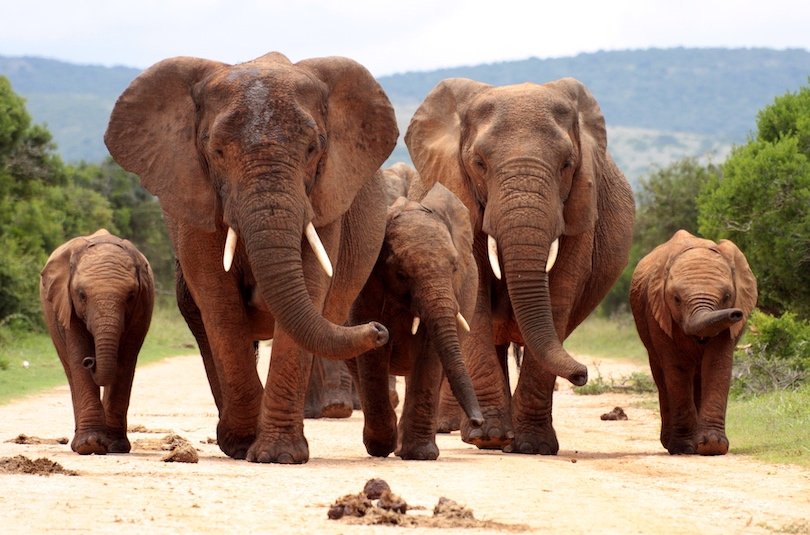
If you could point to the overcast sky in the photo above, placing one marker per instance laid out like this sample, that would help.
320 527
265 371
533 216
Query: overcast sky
388 37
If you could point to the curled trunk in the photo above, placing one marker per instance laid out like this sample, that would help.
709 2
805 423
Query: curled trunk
705 323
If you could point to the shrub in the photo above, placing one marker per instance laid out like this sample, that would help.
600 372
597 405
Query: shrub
776 357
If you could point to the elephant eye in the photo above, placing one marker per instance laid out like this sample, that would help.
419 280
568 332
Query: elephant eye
677 299
726 297
480 164
568 164
82 295
130 297
401 276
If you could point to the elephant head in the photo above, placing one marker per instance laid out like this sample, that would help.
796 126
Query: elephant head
699 285
528 161
266 148
97 285
428 271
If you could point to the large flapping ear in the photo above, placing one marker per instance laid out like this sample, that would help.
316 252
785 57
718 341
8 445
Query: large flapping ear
744 281
361 133
152 133
434 137
442 202
580 212
55 279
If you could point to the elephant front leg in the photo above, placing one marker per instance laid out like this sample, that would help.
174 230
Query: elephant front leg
491 388
329 394
379 418
532 408
117 395
680 432
417 427
90 432
280 435
715 380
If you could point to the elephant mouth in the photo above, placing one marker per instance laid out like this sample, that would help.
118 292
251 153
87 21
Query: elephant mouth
701 340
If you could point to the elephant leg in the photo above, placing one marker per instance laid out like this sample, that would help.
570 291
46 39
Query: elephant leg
191 313
280 435
532 407
379 418
450 413
491 386
90 432
682 411
417 426
663 399
715 379
116 396
330 392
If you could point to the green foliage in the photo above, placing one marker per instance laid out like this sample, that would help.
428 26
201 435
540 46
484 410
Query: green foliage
635 383
611 337
762 204
775 357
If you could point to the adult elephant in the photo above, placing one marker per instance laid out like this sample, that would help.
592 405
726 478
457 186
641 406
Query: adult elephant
249 159
531 163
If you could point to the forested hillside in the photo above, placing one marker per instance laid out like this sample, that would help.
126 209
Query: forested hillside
660 104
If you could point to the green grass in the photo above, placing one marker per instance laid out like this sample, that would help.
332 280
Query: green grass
773 427
609 338
168 336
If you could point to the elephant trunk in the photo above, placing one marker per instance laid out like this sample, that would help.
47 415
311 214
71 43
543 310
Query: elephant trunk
443 328
524 242
273 238
107 331
705 322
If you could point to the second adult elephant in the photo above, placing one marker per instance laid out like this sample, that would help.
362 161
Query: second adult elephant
531 163
275 163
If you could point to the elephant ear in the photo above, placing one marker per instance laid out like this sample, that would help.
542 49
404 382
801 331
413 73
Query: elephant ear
744 281
152 133
434 138
455 216
55 280
146 279
580 211
361 133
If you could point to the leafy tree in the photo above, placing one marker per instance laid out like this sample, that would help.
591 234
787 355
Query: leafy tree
763 204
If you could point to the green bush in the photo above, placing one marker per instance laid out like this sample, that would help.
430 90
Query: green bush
776 357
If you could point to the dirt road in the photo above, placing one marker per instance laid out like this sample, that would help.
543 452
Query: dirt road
610 476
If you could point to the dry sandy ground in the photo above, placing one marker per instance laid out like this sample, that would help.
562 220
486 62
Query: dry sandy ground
610 476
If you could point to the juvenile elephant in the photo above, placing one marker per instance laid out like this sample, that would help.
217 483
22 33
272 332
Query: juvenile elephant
421 287
97 294
691 298
275 163
531 164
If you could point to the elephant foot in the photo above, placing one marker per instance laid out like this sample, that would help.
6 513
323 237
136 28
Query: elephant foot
280 448
119 445
337 409
449 418
234 442
494 434
541 441
712 443
681 446
90 442
418 450
380 441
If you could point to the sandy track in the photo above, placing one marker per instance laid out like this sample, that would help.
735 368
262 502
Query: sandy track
610 476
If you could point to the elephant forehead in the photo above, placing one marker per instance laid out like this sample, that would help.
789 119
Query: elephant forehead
103 261
415 237
700 264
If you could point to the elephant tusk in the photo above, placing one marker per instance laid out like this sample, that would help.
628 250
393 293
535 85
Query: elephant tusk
230 249
415 326
462 322
317 246
552 254
492 247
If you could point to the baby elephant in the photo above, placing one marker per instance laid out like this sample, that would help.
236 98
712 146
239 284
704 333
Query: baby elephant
691 298
422 287
97 294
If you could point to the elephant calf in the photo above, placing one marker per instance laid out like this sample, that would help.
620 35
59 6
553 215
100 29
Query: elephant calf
97 294
691 298
423 284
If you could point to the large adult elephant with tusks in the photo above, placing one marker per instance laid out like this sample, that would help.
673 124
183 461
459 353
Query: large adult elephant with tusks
276 164
530 162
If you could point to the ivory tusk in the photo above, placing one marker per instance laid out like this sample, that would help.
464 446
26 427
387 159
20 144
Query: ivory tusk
552 254
492 247
462 322
415 326
230 249
317 246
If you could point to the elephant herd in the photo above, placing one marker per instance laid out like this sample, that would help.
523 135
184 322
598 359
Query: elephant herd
511 229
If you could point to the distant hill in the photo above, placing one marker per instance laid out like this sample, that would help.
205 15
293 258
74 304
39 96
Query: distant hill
659 104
